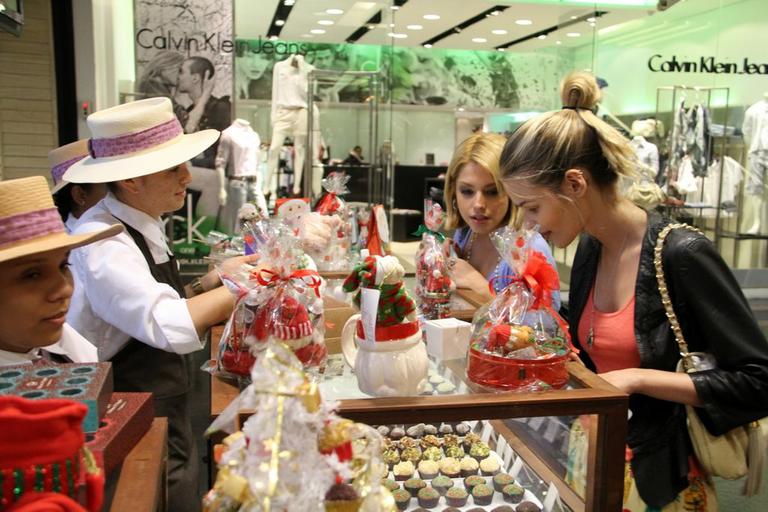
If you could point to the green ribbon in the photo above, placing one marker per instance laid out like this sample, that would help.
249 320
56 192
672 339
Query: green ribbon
424 229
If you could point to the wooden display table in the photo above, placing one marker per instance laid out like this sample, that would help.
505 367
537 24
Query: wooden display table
142 485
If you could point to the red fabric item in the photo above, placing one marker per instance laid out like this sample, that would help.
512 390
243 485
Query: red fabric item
391 333
374 246
328 204
46 502
541 279
39 431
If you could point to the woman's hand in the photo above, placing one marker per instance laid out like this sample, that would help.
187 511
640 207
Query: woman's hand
627 380
230 266
670 386
466 276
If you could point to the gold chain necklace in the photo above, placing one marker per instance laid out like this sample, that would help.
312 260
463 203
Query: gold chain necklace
469 255
591 334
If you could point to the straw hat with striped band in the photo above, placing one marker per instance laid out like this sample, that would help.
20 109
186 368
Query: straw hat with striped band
136 139
30 223
61 159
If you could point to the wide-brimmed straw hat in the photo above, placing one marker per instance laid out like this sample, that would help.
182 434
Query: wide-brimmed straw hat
136 139
30 223
61 159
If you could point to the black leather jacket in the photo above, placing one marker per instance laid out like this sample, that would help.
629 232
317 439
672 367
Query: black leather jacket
715 318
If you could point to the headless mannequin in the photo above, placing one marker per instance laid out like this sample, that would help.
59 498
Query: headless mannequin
755 129
237 163
289 116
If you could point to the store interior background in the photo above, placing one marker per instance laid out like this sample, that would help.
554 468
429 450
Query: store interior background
616 46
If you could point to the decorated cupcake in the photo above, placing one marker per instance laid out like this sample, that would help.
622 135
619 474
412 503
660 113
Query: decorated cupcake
470 439
471 481
342 498
445 428
462 429
512 493
489 466
503 508
390 457
412 454
450 467
451 509
430 440
397 433
383 430
412 485
469 466
403 470
430 430
456 497
390 484
479 451
501 480
432 453
455 451
402 498
482 494
527 506
428 497
428 469
441 484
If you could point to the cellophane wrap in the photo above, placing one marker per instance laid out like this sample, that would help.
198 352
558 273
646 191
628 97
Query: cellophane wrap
293 449
280 299
434 285
518 341
335 256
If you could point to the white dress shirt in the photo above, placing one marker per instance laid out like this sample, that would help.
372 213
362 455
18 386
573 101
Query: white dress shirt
70 223
238 151
647 154
71 344
755 126
117 298
289 84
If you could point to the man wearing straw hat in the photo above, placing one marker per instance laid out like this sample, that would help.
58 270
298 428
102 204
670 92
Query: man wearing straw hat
35 282
132 303
72 199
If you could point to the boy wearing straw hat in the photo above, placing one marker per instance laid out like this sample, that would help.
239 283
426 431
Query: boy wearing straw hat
72 199
35 281
132 303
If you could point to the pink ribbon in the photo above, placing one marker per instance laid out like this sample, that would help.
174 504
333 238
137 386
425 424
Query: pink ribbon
58 170
133 142
25 226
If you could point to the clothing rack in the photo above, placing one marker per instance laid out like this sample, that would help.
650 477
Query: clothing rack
679 91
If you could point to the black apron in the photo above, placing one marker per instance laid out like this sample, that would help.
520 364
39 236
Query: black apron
139 367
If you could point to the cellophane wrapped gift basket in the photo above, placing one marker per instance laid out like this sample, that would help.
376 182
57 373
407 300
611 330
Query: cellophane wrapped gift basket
280 298
336 255
434 285
519 342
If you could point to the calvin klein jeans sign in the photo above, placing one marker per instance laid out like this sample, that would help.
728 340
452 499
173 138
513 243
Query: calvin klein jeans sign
659 64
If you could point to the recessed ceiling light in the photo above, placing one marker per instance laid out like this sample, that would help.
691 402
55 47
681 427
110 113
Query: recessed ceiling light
273 38
558 42
427 45
431 17
495 13
573 34
391 25
394 7
317 31
414 27
574 17
499 31
289 2
523 22
334 11
542 36
461 109
324 22
395 35
501 49
479 40
590 20
279 23
592 24
371 27
307 36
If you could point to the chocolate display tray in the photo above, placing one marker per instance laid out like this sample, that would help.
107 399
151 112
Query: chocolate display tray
128 417
87 383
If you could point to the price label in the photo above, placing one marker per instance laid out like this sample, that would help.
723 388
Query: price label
369 306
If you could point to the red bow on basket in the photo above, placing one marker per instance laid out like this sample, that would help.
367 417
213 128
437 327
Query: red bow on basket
328 204
541 279
267 277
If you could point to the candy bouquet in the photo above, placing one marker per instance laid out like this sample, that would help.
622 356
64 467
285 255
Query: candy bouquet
336 255
279 299
519 342
434 285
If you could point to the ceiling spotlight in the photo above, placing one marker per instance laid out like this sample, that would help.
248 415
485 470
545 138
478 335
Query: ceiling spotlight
324 22
307 36
592 24
591 20
334 11
501 49
495 13
289 2
427 45
558 42
317 31
542 36
499 31
395 35
371 26
573 34
523 22
394 7
279 23
574 17
431 17
414 27
391 25
457 30
479 40
273 38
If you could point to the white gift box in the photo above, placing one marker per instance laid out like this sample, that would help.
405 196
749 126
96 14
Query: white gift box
447 338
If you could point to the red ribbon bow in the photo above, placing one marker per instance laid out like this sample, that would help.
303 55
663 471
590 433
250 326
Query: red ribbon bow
328 204
267 277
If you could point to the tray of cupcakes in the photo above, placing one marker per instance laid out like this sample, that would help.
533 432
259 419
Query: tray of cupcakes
449 467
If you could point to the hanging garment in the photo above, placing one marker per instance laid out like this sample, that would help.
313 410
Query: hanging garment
647 156
686 181
733 173
691 136
755 129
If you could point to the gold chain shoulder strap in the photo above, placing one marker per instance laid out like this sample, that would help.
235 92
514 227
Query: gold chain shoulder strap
665 299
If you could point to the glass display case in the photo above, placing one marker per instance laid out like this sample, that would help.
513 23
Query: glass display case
527 432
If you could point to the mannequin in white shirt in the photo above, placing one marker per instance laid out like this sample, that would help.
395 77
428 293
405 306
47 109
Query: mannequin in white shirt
237 164
289 116
755 129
